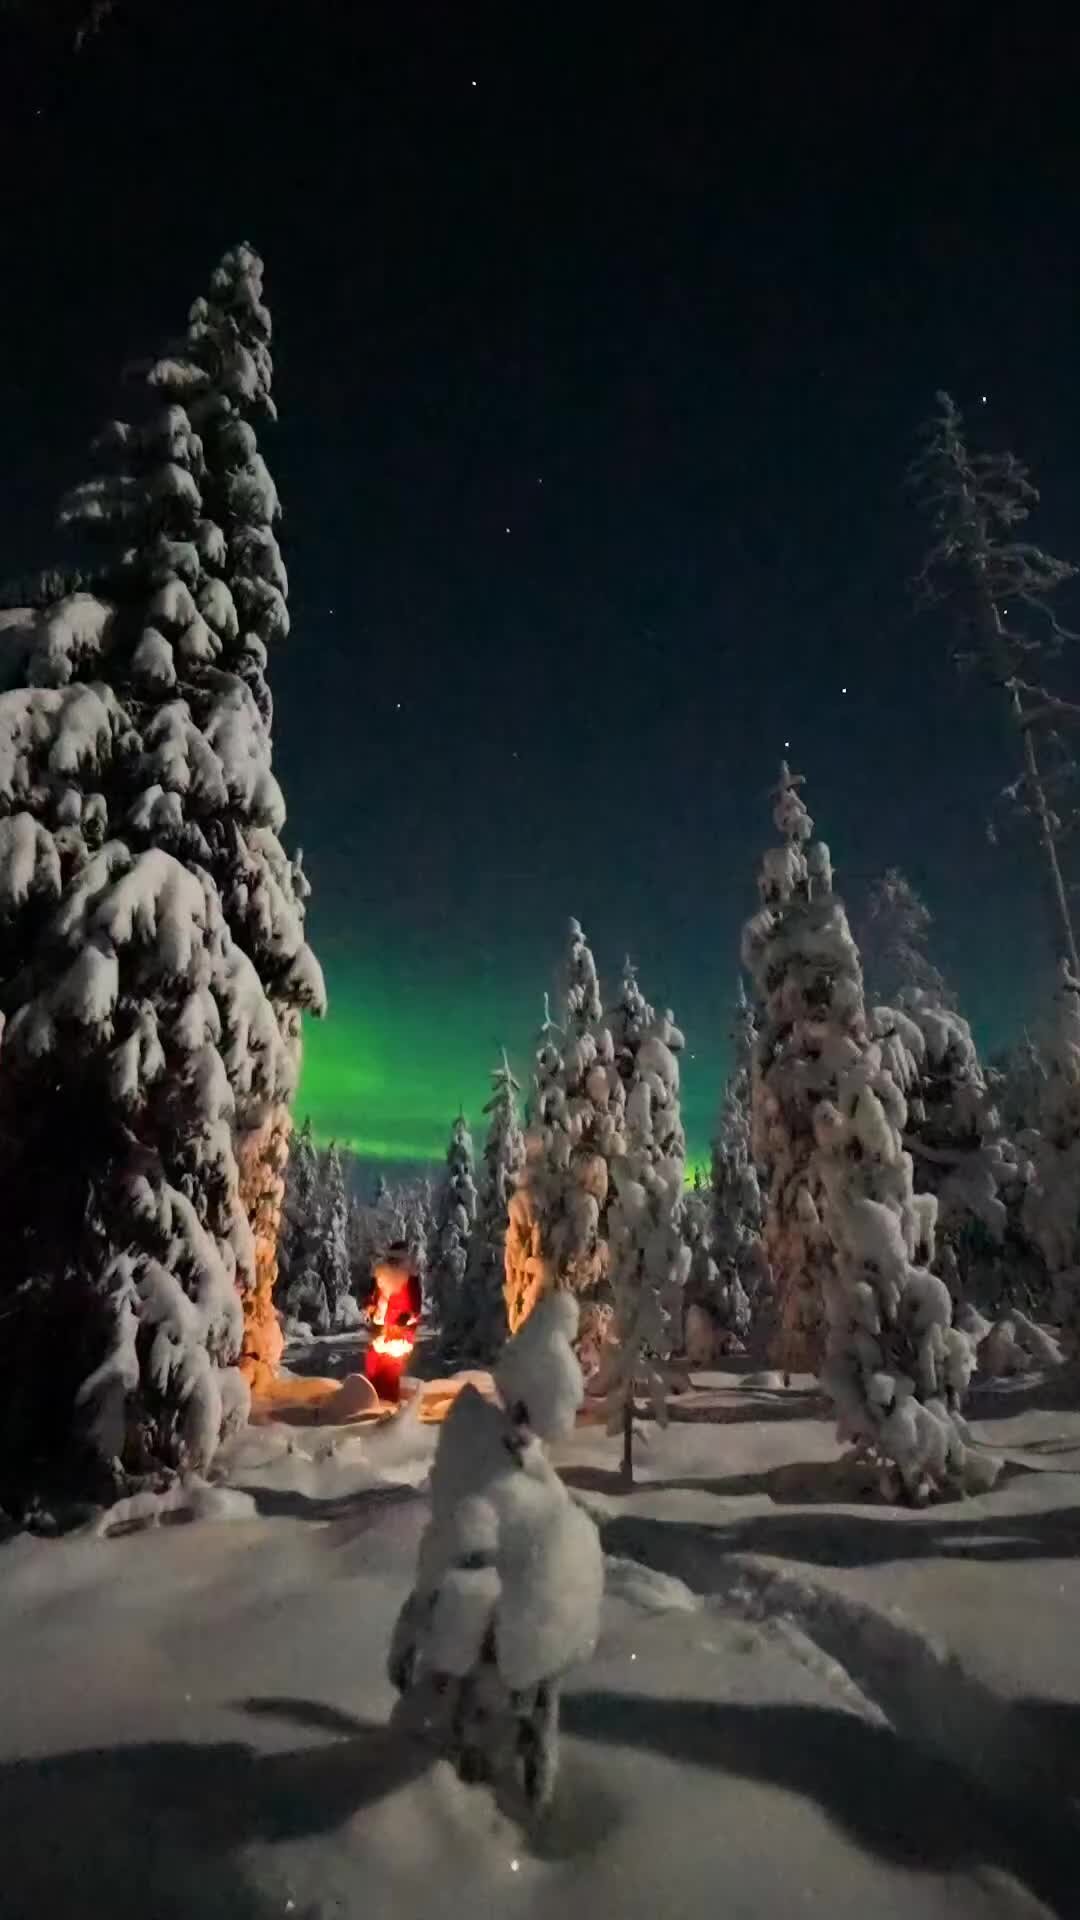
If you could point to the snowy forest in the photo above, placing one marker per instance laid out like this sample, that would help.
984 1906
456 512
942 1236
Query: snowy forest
204 1304
882 1210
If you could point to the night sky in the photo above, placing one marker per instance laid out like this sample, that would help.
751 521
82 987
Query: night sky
600 353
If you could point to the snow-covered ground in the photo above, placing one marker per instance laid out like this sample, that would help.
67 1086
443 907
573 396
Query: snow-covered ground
803 1703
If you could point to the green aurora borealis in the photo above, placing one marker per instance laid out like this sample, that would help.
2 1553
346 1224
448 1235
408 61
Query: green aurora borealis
387 1070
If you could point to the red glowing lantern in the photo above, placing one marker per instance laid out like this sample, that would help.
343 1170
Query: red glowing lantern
395 1312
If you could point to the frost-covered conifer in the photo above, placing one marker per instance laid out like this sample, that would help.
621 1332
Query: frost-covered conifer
737 1246
140 818
454 1226
797 1246
953 1129
649 1255
301 1293
831 1117
480 1322
332 1264
557 1230
892 942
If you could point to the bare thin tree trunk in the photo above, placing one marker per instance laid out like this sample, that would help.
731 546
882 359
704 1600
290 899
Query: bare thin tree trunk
1046 834
995 639
628 1439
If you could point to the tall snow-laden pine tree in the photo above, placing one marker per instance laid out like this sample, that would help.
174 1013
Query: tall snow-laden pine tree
649 1254
152 944
737 1246
480 1324
228 337
557 1235
454 1226
833 1116
301 1294
799 1254
332 1263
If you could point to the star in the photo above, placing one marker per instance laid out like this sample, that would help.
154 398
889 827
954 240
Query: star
982 397
843 689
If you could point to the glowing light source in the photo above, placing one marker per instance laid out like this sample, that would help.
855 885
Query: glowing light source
397 1345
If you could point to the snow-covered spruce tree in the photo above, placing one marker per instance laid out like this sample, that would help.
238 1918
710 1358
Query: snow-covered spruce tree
125 1240
953 1129
892 936
455 1220
509 1574
999 589
1052 1205
556 1237
738 1249
332 1264
175 769
796 1243
265 892
479 1326
649 1254
832 1117
299 1293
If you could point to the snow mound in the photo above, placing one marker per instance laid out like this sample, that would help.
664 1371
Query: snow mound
188 1500
646 1588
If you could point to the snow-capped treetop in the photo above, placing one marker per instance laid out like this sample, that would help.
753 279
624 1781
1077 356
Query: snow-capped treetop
547 1098
789 811
538 1374
892 942
583 1008
629 1019
503 1152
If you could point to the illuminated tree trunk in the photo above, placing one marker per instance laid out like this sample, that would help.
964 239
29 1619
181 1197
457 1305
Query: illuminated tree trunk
262 1155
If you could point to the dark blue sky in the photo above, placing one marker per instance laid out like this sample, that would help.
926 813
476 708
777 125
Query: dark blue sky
667 301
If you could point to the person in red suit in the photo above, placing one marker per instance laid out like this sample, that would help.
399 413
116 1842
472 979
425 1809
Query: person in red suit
394 1307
